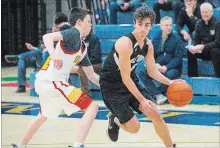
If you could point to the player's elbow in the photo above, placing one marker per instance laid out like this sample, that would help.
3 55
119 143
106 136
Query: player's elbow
151 71
45 37
151 74
125 78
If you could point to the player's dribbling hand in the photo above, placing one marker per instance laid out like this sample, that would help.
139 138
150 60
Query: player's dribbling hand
176 80
58 64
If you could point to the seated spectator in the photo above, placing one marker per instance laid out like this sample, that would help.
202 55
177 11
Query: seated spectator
174 5
206 41
37 56
167 5
102 15
124 6
94 54
188 16
168 49
207 1
32 58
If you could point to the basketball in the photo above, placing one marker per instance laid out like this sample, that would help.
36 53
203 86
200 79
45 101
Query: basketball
179 94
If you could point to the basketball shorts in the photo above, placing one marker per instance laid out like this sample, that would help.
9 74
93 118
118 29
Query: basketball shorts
120 101
57 96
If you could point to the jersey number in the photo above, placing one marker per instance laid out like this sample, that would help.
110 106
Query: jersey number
46 64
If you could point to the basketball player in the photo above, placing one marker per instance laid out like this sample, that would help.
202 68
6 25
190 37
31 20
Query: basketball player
55 94
119 83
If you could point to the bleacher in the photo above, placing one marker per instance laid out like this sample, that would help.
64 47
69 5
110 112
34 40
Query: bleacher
206 88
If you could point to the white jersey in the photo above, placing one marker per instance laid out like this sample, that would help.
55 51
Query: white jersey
69 58
48 72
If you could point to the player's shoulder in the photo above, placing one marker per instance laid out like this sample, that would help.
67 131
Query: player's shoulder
123 45
124 40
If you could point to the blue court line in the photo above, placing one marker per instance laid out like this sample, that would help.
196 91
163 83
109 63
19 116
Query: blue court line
170 116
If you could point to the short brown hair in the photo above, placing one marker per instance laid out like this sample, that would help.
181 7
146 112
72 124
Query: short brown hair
144 12
78 13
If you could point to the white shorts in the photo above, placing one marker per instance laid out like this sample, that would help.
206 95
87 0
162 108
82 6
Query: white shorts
57 96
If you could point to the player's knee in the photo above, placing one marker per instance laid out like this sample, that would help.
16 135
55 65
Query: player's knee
155 116
135 129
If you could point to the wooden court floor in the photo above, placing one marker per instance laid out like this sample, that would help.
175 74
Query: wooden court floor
192 126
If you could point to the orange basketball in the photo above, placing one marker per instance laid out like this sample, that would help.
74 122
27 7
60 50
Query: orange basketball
179 94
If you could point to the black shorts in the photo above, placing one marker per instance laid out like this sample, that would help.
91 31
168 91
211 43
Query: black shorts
120 101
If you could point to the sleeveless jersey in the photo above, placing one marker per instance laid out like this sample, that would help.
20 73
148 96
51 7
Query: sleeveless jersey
48 72
110 72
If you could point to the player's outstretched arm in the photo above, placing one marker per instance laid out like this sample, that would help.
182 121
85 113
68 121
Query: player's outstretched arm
151 66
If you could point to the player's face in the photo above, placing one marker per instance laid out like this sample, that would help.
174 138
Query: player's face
206 13
86 25
143 27
166 26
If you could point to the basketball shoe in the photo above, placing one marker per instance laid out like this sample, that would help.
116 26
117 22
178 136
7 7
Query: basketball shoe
113 128
18 146
77 146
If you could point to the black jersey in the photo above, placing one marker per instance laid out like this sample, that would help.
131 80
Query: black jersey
110 72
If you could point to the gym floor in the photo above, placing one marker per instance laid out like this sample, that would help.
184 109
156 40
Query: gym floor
190 126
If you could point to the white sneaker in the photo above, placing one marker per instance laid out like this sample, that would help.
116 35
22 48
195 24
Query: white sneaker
77 146
160 99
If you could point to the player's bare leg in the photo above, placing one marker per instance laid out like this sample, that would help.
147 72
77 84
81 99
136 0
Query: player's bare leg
33 126
159 125
132 126
86 122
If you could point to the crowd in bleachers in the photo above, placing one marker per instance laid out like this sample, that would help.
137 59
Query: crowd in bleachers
185 13
112 9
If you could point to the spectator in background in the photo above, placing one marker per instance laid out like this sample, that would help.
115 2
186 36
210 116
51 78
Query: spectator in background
175 5
102 15
37 56
199 2
168 48
32 58
188 16
122 5
95 57
206 41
